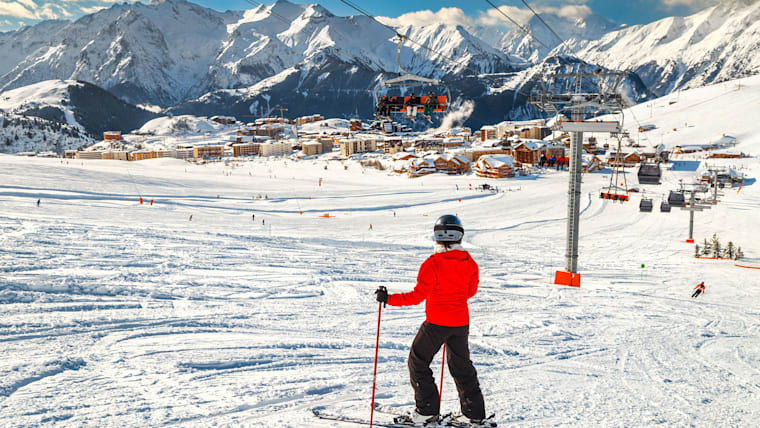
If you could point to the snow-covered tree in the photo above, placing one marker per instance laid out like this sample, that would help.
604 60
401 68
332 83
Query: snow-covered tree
715 245
730 250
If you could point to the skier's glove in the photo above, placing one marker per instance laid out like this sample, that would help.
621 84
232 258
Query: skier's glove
381 295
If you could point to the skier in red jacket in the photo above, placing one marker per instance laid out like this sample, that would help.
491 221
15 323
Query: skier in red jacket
445 281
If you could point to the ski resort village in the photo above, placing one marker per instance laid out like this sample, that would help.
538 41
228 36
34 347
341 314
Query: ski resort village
347 214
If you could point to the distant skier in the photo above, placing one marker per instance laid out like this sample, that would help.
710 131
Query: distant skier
253 217
38 202
370 226
445 280
191 217
699 289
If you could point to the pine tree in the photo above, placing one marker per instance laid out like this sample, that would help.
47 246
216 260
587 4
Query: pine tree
739 254
715 245
696 250
730 250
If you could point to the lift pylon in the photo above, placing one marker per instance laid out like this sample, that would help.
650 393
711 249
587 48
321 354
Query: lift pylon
582 108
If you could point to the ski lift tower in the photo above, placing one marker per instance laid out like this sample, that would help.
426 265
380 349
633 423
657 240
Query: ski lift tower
574 109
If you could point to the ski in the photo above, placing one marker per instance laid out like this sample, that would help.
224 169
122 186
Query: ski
321 414
353 420
447 420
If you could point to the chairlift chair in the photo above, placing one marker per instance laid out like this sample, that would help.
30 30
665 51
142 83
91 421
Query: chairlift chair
407 79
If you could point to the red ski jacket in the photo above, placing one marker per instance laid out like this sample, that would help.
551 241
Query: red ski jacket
445 281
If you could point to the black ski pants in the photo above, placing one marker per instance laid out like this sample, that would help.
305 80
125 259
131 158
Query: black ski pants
428 341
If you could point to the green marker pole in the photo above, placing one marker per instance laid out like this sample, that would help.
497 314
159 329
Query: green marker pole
642 271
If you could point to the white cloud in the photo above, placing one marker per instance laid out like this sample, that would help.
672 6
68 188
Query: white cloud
447 15
89 10
690 4
15 10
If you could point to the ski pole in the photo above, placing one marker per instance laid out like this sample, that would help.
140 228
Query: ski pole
377 346
443 364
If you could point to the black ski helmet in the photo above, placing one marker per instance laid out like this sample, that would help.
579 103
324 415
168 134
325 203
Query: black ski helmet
448 228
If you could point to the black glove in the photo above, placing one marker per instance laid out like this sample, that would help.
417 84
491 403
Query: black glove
382 295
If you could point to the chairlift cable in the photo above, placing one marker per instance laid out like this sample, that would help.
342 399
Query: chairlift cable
548 26
523 29
405 38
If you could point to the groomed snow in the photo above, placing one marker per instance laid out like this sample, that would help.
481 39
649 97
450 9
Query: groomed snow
120 314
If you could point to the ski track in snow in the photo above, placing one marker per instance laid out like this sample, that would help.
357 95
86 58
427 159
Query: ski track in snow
117 314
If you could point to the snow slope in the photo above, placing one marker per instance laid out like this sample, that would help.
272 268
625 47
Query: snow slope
120 314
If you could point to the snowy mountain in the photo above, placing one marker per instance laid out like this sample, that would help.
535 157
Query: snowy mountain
20 133
717 44
74 104
191 60
574 23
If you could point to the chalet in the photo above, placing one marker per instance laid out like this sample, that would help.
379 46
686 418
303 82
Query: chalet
530 151
628 159
645 128
591 163
420 167
476 152
494 166
450 164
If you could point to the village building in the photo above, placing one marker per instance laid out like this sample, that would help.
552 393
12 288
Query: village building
246 149
488 132
475 153
627 159
116 155
309 119
530 151
276 148
147 154
591 163
535 132
327 144
224 120
311 148
184 153
392 146
112 136
357 145
89 155
209 151
70 154
494 166
450 164
421 166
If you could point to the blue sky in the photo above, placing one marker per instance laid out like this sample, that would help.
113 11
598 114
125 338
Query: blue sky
15 13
